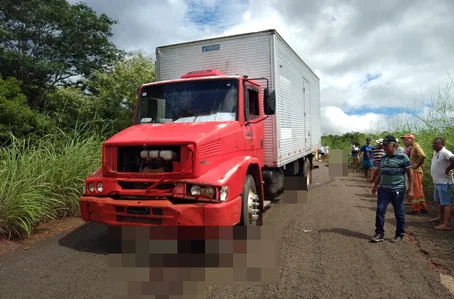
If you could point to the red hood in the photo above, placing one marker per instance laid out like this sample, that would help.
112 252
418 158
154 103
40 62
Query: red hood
172 132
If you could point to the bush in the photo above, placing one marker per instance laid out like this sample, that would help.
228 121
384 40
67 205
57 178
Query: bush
43 180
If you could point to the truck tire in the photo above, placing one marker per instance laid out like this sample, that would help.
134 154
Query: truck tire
250 207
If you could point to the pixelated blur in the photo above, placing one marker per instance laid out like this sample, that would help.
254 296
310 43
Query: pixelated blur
295 190
178 262
338 163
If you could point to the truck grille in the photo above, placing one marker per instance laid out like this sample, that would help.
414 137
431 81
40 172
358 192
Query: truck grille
149 159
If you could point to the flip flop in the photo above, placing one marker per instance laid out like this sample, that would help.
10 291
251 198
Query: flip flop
434 220
440 227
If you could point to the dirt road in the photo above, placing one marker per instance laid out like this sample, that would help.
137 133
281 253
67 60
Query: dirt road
324 253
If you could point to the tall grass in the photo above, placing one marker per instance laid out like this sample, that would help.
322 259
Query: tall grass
42 180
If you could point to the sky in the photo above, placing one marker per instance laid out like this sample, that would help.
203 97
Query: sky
379 62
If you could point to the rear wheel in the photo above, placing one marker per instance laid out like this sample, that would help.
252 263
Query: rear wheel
251 211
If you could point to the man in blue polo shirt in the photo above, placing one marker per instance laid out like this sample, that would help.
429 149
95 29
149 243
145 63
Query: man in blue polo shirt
366 152
390 181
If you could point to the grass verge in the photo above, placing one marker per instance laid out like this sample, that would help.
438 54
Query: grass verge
43 180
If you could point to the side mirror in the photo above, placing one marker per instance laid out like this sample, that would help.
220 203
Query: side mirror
269 102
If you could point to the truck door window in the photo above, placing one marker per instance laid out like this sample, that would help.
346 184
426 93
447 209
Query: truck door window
252 109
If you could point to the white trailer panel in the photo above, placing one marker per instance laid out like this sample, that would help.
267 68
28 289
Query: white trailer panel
294 131
297 101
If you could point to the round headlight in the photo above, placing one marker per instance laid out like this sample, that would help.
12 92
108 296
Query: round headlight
209 191
91 187
99 187
195 190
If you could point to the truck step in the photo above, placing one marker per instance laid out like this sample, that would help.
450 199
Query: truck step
266 203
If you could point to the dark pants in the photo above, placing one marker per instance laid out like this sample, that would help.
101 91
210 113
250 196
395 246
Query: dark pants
397 200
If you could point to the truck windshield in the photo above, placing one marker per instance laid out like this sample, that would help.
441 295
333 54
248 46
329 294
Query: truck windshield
189 101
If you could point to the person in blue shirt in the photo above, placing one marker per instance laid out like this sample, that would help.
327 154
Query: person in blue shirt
368 158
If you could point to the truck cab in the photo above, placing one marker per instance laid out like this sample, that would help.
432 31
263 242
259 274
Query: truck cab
193 156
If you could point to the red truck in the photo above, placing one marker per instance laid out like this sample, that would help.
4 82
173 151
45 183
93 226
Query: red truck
212 139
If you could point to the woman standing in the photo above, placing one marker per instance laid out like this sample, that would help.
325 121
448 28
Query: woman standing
407 152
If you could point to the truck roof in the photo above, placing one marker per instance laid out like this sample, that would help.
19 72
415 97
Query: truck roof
270 31
218 37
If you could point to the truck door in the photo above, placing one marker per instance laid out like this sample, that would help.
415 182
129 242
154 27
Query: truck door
254 131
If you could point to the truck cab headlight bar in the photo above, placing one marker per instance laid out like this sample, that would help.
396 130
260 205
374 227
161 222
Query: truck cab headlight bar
91 187
207 192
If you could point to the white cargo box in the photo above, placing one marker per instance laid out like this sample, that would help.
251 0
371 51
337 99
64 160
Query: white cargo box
294 131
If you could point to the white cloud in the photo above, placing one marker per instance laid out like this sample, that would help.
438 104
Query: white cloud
409 43
335 121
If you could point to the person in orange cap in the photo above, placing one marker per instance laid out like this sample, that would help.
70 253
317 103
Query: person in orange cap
417 158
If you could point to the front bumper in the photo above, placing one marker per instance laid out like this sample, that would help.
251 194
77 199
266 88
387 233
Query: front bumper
159 212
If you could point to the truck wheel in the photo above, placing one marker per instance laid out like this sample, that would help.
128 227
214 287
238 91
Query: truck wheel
250 210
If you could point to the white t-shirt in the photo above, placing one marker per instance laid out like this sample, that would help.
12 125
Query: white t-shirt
439 163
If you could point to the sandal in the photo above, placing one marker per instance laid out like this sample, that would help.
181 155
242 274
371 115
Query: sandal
442 227
435 220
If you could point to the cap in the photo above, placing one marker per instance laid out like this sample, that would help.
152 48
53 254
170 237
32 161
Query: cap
380 140
389 139
368 139
409 136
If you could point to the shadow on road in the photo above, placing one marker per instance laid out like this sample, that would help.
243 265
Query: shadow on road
418 224
90 237
369 199
374 209
359 185
368 195
352 180
345 232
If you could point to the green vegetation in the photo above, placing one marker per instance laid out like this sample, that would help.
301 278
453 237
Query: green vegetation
64 89
437 121
42 180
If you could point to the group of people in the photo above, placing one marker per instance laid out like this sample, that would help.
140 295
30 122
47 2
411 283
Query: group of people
371 159
396 171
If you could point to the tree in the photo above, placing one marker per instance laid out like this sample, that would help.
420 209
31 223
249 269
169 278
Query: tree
70 108
15 116
46 43
116 89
